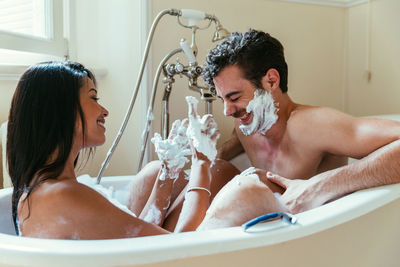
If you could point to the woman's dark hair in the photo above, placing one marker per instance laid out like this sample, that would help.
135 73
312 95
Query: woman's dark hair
43 114
254 52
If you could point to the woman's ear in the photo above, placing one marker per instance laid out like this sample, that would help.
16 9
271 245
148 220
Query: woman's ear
271 80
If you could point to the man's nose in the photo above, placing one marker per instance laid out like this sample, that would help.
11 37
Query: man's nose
229 108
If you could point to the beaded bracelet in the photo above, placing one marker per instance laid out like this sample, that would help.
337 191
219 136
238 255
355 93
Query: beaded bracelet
198 188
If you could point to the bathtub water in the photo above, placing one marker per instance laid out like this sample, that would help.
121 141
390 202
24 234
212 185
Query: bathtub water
361 229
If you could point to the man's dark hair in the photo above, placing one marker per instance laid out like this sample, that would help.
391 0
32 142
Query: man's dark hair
254 52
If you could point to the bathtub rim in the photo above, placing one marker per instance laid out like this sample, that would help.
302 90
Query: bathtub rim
44 252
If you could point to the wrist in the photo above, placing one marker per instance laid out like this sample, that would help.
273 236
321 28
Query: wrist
327 185
200 174
202 163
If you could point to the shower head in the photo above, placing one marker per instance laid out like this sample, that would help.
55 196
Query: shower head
220 33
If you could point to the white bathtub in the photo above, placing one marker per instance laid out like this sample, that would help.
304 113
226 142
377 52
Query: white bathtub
361 229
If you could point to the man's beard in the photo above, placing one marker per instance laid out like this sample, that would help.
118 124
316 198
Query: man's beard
264 113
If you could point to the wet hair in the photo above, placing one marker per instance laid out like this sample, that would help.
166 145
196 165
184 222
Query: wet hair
43 114
254 52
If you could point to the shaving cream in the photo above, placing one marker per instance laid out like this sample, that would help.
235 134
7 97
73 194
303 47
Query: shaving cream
264 113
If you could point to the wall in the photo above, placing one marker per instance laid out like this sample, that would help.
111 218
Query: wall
106 35
381 95
313 37
321 44
7 88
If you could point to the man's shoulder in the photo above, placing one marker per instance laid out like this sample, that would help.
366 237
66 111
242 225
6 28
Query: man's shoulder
305 116
311 122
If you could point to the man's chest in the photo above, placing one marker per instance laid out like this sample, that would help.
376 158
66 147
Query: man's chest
287 159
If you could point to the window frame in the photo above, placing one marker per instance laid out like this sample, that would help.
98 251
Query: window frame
56 44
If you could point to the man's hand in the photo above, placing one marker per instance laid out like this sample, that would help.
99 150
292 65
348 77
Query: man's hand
300 195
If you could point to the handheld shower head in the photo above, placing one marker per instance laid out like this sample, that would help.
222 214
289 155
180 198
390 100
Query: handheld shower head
192 15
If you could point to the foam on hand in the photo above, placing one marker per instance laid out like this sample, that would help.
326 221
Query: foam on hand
203 131
264 113
173 151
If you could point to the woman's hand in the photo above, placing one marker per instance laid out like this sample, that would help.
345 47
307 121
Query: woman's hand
174 150
203 132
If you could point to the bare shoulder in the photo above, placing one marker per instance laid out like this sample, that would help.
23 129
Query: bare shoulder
67 193
327 130
70 210
316 115
324 119
307 121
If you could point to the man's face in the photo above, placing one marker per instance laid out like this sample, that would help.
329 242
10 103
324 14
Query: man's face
236 92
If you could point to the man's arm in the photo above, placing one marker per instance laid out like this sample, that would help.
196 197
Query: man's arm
231 148
379 168
376 141
330 131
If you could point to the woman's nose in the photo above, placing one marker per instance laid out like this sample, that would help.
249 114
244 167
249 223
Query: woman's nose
105 111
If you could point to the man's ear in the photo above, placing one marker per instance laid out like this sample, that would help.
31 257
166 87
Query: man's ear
271 80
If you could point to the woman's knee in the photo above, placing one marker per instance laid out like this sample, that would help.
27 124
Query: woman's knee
243 198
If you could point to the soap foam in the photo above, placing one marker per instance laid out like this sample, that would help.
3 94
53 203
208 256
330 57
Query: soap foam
173 151
108 192
264 113
203 131
154 215
248 171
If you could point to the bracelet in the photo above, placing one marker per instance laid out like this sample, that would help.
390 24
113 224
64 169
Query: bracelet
198 188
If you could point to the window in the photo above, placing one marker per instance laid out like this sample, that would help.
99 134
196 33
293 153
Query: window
23 16
33 26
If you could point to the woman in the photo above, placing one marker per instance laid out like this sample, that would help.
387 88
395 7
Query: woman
54 115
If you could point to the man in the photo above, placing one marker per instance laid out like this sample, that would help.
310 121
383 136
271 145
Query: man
308 145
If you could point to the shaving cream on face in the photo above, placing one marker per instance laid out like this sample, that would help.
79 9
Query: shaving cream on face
173 151
203 131
264 113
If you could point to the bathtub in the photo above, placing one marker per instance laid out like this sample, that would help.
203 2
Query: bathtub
360 229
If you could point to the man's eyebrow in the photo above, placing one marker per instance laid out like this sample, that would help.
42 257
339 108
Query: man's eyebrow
232 94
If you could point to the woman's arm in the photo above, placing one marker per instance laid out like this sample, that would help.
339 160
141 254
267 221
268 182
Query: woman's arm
203 134
172 153
197 197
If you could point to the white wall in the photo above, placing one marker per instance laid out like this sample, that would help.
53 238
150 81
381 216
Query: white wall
106 34
7 88
381 95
